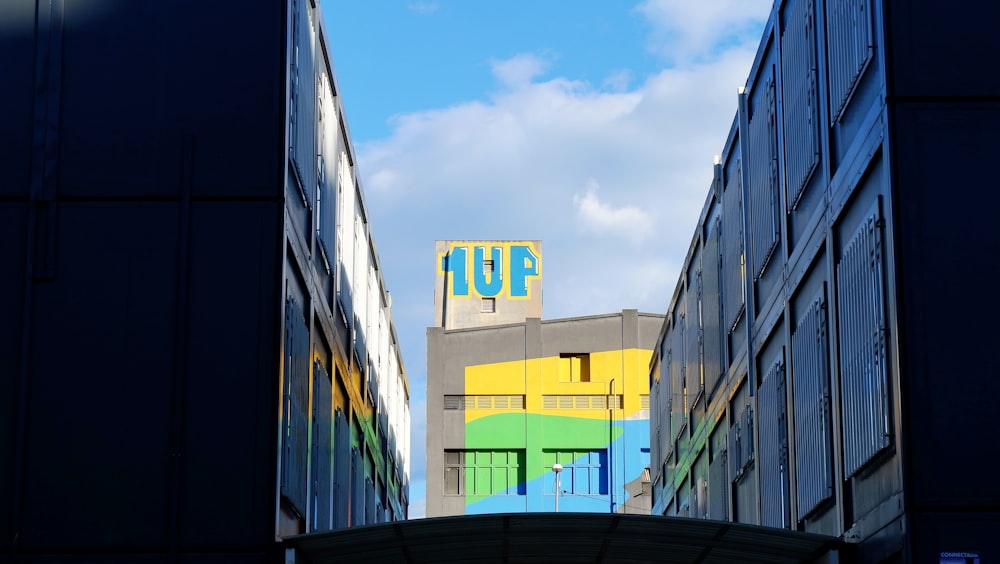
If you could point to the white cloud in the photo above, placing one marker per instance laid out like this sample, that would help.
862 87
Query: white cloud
423 7
519 69
627 222
686 32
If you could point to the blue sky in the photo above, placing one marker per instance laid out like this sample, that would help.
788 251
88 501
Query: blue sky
588 124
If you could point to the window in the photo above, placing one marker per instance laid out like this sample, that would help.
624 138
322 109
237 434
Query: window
584 472
484 472
461 403
574 367
489 305
566 401
488 266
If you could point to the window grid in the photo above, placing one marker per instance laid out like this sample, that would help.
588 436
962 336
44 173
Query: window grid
484 472
464 402
566 401
584 472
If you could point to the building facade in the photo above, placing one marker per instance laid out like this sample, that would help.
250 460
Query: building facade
510 395
818 369
197 349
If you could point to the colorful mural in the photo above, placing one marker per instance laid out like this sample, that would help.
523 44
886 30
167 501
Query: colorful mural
587 412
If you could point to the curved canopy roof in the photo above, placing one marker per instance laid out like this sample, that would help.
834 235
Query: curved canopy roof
562 537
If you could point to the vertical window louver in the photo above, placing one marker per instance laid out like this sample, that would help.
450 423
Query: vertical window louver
322 449
862 335
713 350
293 83
801 98
741 448
811 398
733 289
772 413
764 208
850 48
693 377
295 428
342 470
718 484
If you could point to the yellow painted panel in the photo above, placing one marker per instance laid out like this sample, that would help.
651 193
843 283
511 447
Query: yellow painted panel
537 377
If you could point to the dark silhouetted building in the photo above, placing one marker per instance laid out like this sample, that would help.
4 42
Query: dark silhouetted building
197 354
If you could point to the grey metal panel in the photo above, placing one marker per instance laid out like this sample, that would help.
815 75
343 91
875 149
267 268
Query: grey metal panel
693 382
733 288
302 98
745 497
862 336
800 96
370 501
295 430
811 399
678 400
764 205
341 470
711 304
322 450
850 45
773 459
718 478
357 500
741 435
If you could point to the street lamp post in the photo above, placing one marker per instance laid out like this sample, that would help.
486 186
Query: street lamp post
557 468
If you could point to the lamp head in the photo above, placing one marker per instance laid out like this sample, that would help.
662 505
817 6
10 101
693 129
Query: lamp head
557 468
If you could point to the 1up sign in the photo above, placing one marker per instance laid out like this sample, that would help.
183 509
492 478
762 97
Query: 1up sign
490 269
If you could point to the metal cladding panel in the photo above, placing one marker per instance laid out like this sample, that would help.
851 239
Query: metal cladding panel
17 66
948 63
143 85
949 386
302 97
370 501
741 441
322 450
850 41
772 416
13 232
678 400
104 332
357 503
811 399
295 431
711 303
693 336
764 205
341 470
862 331
800 96
230 390
719 483
733 288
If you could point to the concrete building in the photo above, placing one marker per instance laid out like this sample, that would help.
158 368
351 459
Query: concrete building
197 351
821 366
509 395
